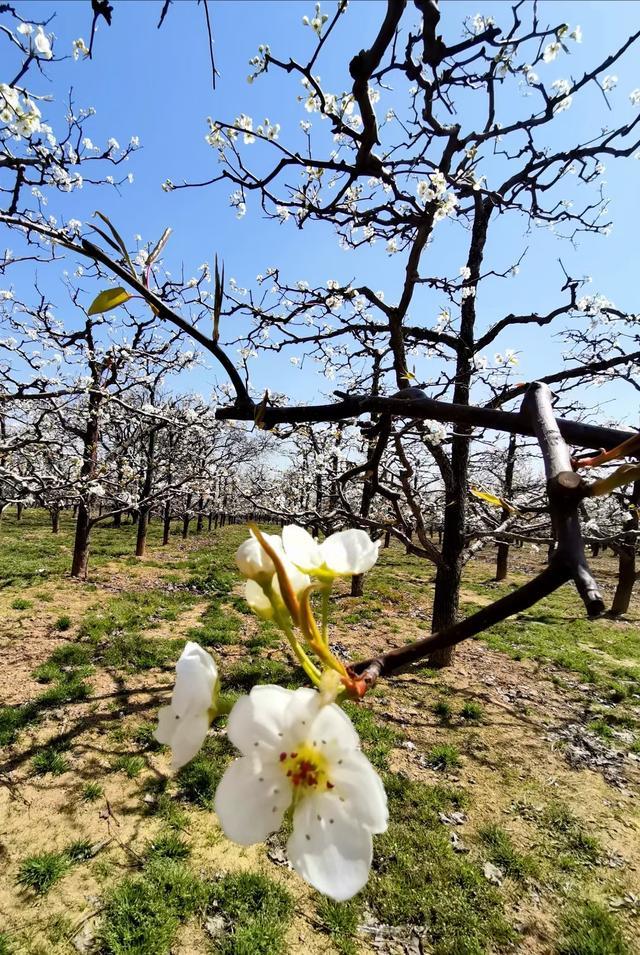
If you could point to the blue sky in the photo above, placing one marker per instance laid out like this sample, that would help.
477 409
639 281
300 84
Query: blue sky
156 85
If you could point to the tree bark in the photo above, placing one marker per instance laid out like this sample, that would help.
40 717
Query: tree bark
502 559
627 559
449 573
145 506
186 520
166 524
55 520
80 560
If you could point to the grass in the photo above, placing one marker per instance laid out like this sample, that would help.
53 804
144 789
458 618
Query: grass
129 764
442 709
198 780
576 845
79 851
444 756
40 873
417 878
6 945
62 623
91 792
142 913
340 921
471 711
257 911
377 739
587 928
167 845
503 853
49 761
420 880
21 604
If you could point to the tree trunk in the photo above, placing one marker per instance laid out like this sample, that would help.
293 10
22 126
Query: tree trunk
502 560
19 510
627 559
166 524
117 519
200 521
626 580
186 520
55 520
80 560
448 575
145 506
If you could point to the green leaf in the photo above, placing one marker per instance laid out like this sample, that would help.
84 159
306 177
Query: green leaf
110 298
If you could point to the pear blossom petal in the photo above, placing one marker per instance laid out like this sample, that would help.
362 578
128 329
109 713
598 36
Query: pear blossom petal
259 719
349 552
190 734
166 725
326 727
301 549
330 849
254 562
251 800
357 782
42 44
184 724
258 600
196 676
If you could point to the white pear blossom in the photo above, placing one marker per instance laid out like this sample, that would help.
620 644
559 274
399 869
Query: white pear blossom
551 51
634 96
340 555
609 83
299 751
26 29
576 34
184 724
246 123
80 49
253 561
43 44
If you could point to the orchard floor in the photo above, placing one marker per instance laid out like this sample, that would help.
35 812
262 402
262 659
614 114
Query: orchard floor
512 775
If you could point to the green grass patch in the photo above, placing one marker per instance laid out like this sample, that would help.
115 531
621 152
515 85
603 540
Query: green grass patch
63 623
247 673
576 845
502 852
167 845
91 792
257 911
81 850
418 879
442 710
6 945
49 761
40 873
19 603
444 756
142 913
587 928
340 921
129 764
471 711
